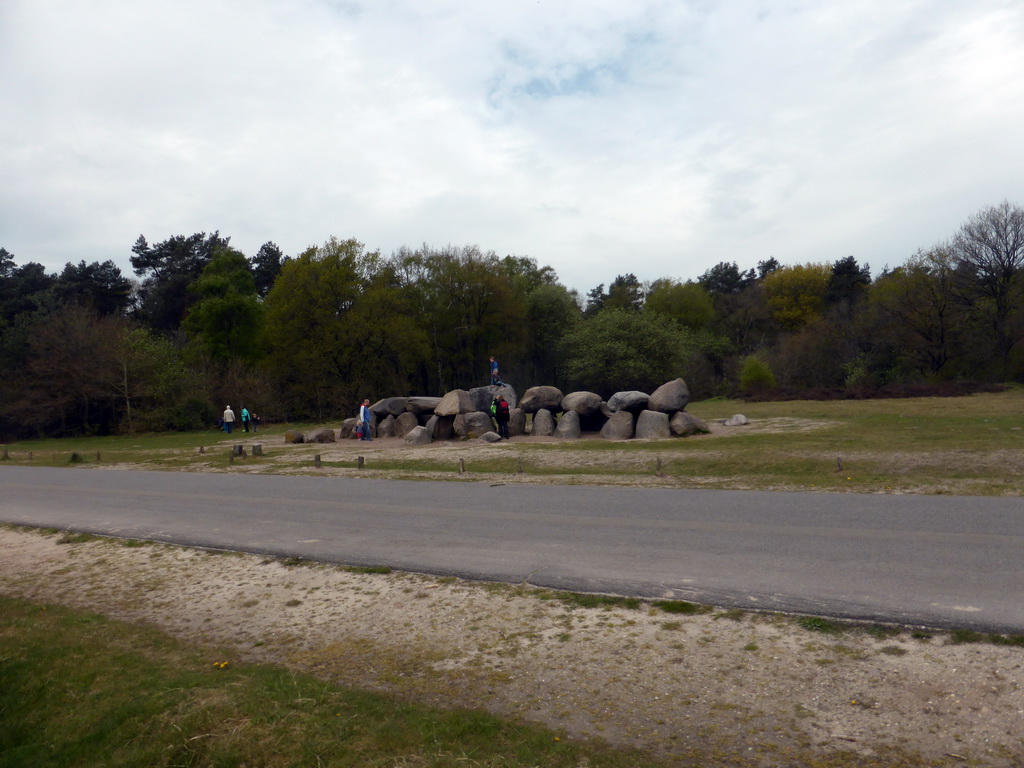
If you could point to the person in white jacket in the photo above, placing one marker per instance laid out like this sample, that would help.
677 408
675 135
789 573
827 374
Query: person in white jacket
229 418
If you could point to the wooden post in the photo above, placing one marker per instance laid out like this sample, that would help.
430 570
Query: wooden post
657 471
231 458
316 461
201 449
257 450
359 462
839 465
5 457
520 466
462 466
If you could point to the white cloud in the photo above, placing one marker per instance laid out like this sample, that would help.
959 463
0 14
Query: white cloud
601 138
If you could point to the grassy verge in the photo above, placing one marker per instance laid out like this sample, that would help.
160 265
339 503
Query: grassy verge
77 689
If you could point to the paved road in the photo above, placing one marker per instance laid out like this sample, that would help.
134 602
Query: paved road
935 560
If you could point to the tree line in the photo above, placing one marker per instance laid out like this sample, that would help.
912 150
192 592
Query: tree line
199 325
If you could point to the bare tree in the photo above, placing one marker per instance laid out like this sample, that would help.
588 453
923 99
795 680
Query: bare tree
989 254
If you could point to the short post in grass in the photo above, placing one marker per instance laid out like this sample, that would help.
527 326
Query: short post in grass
657 469
257 450
97 456
839 464
462 466
316 461
5 457
359 462
201 449
520 470
231 457
238 450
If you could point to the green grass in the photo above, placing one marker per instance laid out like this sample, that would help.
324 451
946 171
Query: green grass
971 445
77 689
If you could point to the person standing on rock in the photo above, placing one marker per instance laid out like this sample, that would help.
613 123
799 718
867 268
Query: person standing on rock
364 420
229 418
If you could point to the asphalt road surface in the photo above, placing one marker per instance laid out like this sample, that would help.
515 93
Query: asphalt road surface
939 561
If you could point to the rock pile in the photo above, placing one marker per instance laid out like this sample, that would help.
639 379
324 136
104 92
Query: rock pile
465 414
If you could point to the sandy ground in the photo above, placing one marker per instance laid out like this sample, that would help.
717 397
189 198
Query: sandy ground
729 687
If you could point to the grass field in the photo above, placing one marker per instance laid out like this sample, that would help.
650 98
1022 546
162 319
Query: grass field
77 689
972 445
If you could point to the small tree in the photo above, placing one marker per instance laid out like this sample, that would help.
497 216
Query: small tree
756 375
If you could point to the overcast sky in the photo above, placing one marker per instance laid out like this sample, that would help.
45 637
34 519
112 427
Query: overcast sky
599 137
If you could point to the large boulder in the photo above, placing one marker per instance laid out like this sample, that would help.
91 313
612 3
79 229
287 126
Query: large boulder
405 422
685 424
535 398
543 423
455 402
418 436
618 427
490 437
421 405
516 422
348 428
472 424
389 406
583 403
291 436
669 397
631 401
651 425
387 427
568 427
441 427
482 396
323 435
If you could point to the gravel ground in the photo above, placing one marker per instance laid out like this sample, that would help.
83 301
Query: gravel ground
715 688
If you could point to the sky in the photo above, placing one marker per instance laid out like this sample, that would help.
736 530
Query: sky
601 138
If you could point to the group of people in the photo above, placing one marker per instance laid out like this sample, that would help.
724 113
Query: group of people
248 419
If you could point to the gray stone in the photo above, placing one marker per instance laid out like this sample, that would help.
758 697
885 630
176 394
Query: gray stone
443 428
618 427
455 402
583 403
422 405
669 397
490 437
291 436
387 427
418 436
685 424
737 420
482 396
631 401
472 424
348 429
543 423
323 435
516 422
652 425
536 398
392 406
568 427
404 423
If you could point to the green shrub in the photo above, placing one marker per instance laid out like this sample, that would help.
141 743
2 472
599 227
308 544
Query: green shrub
756 375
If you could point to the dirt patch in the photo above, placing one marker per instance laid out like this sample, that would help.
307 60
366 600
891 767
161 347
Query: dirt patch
726 686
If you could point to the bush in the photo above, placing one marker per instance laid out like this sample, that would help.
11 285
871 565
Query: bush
756 375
